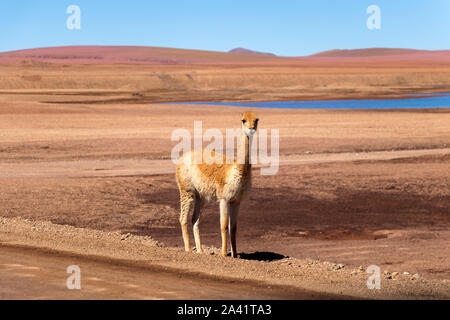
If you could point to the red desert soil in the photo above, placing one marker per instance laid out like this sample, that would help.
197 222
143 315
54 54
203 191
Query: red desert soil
388 208
86 175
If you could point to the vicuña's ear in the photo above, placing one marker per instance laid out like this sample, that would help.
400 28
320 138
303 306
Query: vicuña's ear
242 114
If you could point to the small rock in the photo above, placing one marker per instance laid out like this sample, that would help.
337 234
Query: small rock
339 266
385 272
354 272
406 273
415 276
388 277
361 268
125 236
394 274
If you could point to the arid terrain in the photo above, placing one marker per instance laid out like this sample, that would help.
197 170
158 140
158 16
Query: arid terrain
86 178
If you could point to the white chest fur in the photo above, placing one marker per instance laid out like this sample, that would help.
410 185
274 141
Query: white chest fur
238 185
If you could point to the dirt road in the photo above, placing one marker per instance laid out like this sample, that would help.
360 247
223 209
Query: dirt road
35 255
32 273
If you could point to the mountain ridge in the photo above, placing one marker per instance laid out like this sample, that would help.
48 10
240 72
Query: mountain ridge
162 55
241 50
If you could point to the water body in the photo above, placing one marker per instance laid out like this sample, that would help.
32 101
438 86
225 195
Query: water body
432 100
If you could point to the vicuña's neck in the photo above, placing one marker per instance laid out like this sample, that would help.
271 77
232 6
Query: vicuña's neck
244 151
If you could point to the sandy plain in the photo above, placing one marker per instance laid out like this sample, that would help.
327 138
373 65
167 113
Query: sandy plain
85 162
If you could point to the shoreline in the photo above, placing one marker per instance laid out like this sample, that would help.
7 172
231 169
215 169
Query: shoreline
222 102
393 96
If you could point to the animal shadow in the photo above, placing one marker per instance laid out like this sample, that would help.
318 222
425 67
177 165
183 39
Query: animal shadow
262 256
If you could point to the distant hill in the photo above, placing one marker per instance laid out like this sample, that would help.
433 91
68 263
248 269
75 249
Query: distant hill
69 55
380 55
369 52
248 51
126 55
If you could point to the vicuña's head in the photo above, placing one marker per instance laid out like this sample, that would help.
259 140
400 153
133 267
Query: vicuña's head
249 123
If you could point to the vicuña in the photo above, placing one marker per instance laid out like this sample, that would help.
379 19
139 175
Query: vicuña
227 183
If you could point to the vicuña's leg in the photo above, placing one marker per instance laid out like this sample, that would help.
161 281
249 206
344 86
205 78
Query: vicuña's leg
234 210
186 199
195 222
224 210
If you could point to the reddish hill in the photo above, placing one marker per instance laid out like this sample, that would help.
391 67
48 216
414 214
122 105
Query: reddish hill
125 54
248 51
158 55
381 55
369 52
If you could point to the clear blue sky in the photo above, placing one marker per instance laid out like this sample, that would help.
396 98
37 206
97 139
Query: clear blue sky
291 28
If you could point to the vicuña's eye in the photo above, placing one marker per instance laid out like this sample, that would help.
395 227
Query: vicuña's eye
244 121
